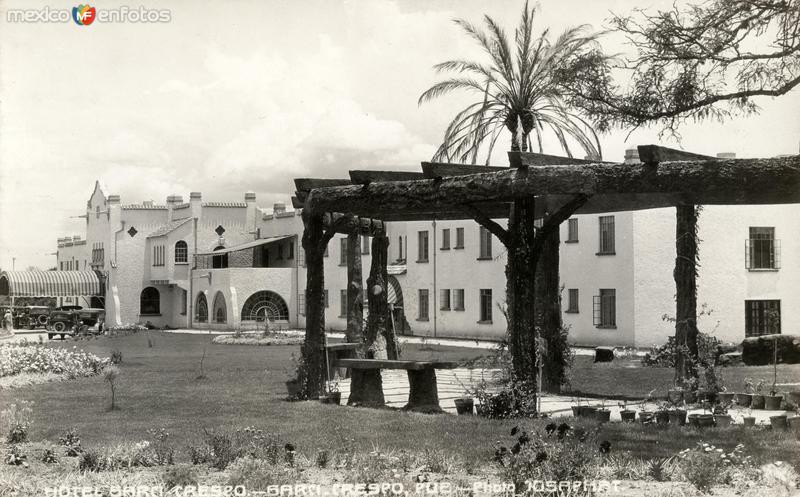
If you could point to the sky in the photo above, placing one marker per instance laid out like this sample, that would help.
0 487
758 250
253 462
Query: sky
237 96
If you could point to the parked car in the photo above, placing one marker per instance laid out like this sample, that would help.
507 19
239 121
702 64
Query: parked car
75 320
34 316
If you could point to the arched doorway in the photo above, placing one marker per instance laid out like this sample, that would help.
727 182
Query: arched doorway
394 297
220 309
265 305
150 302
201 307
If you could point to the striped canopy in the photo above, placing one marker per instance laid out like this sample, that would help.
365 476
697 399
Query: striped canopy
51 283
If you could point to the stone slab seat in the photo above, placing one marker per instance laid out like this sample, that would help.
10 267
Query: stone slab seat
336 351
423 395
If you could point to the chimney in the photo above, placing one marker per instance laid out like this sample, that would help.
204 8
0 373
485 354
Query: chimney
196 203
632 156
726 155
172 201
250 217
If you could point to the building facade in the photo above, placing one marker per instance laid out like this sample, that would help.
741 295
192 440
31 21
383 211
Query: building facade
234 265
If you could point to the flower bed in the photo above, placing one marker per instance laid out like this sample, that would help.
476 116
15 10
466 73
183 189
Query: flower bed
272 338
25 358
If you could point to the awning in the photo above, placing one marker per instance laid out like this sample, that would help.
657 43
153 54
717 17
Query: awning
248 245
51 283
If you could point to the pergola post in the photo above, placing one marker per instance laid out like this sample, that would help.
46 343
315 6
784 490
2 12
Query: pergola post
355 289
311 374
548 307
685 275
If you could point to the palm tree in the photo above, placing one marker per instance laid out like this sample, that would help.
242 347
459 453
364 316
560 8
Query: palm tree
521 92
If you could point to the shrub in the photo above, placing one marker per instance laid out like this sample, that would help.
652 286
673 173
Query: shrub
91 461
16 420
181 475
160 451
70 438
33 358
561 453
15 457
257 474
706 465
111 373
323 459
116 356
664 356
49 456
220 449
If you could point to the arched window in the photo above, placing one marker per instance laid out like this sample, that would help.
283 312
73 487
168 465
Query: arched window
181 252
201 309
150 301
265 304
220 311
219 261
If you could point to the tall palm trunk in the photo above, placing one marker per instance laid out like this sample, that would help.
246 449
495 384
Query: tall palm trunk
685 275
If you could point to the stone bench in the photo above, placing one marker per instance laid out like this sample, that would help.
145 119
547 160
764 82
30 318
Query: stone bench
336 351
423 395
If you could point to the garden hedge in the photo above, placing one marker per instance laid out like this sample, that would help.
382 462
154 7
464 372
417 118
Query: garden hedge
757 351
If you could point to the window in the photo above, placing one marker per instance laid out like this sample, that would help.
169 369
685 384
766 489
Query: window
301 304
444 299
458 299
184 298
762 317
325 296
261 256
181 252
290 246
343 251
423 305
763 250
98 255
485 243
400 248
422 247
445 239
572 230
219 261
264 305
150 302
342 303
486 305
572 300
605 309
606 235
365 244
459 238
280 252
201 309
220 309
158 255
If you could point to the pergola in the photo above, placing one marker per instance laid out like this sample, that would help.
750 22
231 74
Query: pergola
534 186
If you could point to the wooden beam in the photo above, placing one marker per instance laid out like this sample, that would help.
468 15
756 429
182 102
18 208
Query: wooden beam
432 170
724 182
346 224
367 177
519 159
308 184
297 203
653 154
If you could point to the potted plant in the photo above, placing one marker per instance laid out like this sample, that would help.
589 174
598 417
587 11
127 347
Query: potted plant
646 416
662 413
748 419
725 397
689 388
772 402
465 406
744 399
794 423
589 411
757 399
332 393
677 415
779 422
602 414
675 395
721 416
703 420
576 407
627 415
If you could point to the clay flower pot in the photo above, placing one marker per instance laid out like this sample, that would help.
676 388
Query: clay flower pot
772 402
723 420
602 415
689 396
743 399
576 411
749 421
464 406
646 417
725 397
794 426
675 396
757 401
589 411
701 420
677 417
779 422
628 416
662 417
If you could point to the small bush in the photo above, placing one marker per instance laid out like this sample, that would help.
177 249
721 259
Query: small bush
181 475
69 438
16 421
323 459
116 356
34 358
49 456
111 373
91 461
15 457
221 449
160 451
706 465
257 474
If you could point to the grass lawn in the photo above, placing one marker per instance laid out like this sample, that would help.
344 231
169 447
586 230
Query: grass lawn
158 387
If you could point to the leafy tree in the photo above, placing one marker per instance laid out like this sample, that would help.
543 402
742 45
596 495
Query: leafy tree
693 63
519 90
